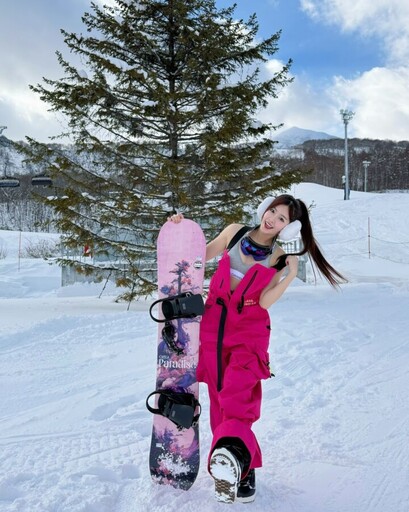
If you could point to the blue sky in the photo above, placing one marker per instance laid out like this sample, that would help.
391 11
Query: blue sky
346 54
316 48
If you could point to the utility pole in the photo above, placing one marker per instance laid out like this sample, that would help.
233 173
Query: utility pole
346 115
366 164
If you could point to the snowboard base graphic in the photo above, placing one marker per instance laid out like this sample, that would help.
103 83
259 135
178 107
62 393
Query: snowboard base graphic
174 452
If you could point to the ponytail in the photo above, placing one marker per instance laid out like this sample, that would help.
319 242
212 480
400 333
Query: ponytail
299 211
314 252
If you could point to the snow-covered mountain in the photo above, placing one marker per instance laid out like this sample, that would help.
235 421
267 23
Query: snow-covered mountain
294 136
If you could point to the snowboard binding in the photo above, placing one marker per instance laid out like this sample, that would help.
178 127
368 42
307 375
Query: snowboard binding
184 305
177 406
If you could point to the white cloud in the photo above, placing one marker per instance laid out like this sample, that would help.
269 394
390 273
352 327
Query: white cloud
379 98
385 19
25 114
111 3
298 104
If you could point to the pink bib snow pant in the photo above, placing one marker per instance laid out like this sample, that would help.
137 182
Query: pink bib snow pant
233 359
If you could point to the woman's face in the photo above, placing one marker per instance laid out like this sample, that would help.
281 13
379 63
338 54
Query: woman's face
275 219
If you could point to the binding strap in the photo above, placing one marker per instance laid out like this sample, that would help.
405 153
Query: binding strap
179 407
184 305
169 336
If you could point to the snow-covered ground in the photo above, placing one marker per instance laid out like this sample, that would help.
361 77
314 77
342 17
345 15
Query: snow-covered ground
75 370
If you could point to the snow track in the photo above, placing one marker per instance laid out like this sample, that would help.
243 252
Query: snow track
67 418
74 432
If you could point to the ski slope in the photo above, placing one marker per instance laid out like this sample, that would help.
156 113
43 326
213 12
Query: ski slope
75 370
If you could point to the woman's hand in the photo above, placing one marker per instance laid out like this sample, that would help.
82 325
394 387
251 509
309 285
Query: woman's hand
176 218
292 264
274 291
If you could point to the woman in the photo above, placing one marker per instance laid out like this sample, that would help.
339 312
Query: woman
252 275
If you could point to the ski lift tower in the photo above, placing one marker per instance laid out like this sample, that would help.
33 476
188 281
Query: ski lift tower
346 115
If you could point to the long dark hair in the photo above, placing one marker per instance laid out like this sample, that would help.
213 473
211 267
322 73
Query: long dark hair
299 211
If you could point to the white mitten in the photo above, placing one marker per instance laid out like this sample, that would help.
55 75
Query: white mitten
290 232
262 207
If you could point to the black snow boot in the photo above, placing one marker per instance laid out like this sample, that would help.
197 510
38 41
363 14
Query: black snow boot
246 491
229 460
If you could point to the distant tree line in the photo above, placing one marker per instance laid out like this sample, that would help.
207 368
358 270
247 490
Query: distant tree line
388 168
20 209
320 161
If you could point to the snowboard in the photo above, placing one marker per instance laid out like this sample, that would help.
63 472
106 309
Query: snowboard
174 452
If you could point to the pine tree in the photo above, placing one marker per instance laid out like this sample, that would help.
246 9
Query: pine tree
163 118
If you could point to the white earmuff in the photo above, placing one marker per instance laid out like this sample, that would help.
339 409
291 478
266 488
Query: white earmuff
290 232
262 207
